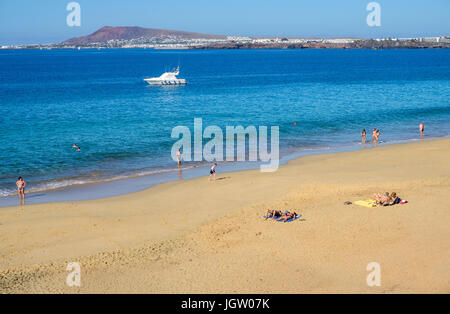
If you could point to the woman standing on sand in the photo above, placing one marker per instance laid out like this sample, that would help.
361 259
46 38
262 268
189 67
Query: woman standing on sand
21 184
363 135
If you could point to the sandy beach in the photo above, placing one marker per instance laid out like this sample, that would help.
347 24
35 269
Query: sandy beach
196 236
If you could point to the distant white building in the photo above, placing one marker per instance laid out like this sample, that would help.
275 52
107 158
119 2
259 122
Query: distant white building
431 39
239 38
263 40
338 41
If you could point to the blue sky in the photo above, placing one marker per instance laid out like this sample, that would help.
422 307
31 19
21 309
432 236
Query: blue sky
44 21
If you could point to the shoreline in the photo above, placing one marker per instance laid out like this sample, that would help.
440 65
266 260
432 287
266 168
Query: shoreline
196 236
111 187
363 44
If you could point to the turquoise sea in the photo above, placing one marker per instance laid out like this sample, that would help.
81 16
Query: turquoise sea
51 99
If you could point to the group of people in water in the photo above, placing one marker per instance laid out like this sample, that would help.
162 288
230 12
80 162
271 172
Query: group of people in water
375 136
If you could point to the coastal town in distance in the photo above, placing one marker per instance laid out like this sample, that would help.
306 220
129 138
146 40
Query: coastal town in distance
138 37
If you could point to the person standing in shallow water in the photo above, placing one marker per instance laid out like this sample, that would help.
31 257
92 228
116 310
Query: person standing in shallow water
363 137
421 128
179 157
377 139
21 184
374 136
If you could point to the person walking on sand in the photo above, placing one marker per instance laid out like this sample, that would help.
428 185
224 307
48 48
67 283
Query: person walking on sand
212 172
179 157
21 184
421 128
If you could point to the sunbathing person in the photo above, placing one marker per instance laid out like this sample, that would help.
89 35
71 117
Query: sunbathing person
376 196
382 199
273 213
395 199
287 216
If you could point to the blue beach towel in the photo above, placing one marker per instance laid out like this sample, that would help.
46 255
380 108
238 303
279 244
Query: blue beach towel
292 219
289 220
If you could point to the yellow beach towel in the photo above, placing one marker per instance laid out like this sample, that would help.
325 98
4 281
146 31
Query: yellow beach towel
367 203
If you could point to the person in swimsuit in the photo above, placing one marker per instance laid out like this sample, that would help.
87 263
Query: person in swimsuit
374 136
381 199
421 128
395 199
74 146
378 136
363 136
287 216
21 184
212 172
273 213
179 157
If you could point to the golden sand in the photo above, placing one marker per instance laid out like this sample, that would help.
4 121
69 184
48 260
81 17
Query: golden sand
196 236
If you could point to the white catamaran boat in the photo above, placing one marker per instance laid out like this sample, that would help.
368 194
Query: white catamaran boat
168 78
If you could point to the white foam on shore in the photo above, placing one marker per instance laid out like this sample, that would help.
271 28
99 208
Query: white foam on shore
67 183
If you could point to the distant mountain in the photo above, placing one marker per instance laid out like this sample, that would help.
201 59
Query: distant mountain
127 33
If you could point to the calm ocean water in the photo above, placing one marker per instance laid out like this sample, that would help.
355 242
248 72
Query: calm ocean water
98 100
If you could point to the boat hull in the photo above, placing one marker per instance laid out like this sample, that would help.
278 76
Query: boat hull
166 82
